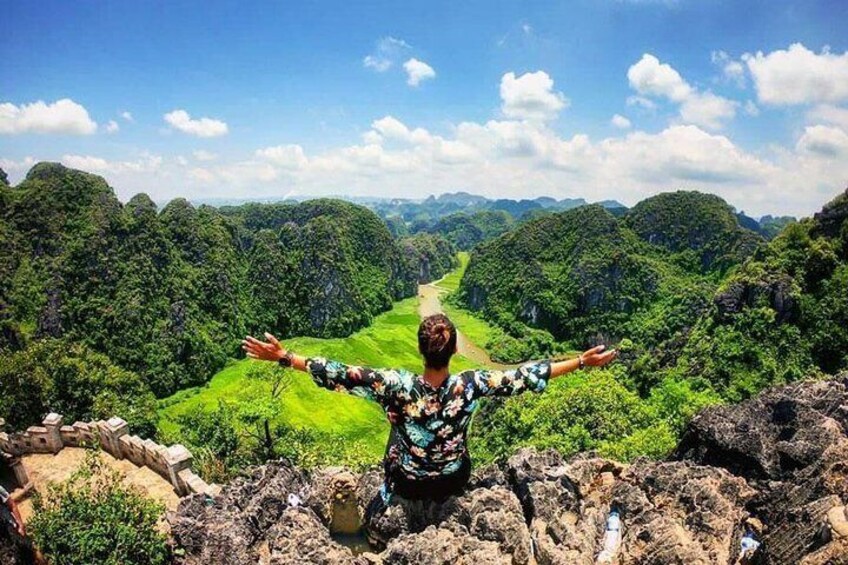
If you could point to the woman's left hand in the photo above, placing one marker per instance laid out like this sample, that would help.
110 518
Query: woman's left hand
597 357
271 350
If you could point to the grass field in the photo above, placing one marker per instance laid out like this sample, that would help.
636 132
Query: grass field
450 281
390 341
475 329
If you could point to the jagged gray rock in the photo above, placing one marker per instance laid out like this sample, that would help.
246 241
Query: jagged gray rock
791 444
777 463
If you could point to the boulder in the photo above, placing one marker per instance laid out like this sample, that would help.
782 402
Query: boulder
791 444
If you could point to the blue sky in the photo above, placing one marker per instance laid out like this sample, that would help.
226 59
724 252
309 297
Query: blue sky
599 99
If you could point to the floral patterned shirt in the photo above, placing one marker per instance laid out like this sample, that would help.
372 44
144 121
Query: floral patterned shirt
429 424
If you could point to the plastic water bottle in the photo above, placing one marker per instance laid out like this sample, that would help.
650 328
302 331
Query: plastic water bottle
294 500
612 539
748 545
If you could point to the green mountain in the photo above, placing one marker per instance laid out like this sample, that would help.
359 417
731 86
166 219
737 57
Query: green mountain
588 275
465 230
578 274
432 256
698 227
783 315
169 294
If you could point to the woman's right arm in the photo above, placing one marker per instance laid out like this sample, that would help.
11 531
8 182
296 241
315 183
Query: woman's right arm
332 375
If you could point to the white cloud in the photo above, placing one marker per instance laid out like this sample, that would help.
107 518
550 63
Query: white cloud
127 116
417 71
379 65
202 175
386 53
144 164
531 97
732 70
620 122
511 158
708 110
202 127
10 165
830 115
641 102
203 155
285 156
650 77
683 153
86 163
112 127
824 141
799 76
516 155
392 128
62 116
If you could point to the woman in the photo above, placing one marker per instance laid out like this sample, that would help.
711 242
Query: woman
426 456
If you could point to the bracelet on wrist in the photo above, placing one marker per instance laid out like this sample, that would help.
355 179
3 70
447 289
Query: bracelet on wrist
580 363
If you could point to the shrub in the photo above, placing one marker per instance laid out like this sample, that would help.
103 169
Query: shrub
94 518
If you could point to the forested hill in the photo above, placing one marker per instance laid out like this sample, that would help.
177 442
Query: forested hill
682 286
702 227
168 294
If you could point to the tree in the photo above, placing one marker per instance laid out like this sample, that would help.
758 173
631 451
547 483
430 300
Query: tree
54 375
214 441
94 518
260 415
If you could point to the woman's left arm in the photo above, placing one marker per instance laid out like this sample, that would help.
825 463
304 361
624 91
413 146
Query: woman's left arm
534 376
595 357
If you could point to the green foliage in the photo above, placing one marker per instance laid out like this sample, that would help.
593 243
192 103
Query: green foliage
783 315
465 231
69 378
432 256
580 412
711 329
771 226
689 221
94 518
169 295
576 275
214 441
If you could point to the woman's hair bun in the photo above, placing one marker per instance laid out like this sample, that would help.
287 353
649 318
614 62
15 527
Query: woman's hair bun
440 335
436 340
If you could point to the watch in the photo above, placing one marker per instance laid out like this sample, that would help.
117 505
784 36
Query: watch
286 360
580 364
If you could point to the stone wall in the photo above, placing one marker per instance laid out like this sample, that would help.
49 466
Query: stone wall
172 463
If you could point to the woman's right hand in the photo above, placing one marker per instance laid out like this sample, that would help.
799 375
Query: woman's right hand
271 350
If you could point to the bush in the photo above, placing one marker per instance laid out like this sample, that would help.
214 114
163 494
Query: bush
94 518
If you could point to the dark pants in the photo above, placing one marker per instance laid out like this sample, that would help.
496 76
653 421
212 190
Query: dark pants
433 488
415 504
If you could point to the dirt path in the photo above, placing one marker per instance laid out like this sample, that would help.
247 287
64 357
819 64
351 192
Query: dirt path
44 468
429 303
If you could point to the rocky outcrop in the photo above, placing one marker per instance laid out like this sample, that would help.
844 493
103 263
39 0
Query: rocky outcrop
791 445
776 464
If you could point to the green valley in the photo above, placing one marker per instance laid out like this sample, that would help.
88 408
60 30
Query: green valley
351 428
